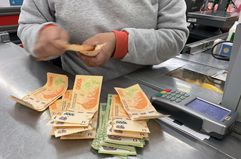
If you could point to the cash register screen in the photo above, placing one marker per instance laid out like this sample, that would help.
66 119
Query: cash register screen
208 109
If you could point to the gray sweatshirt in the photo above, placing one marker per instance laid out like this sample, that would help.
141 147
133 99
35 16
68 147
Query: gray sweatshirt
157 29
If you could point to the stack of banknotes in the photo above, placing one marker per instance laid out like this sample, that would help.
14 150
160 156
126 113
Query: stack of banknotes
75 115
123 122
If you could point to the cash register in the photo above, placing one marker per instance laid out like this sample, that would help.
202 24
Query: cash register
204 116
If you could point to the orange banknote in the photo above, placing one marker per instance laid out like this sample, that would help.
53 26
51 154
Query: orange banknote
136 103
56 108
122 133
41 98
116 109
66 100
86 94
89 134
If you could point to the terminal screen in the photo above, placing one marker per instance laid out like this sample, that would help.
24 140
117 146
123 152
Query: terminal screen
207 109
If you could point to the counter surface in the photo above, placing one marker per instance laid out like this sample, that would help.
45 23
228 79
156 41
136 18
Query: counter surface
24 133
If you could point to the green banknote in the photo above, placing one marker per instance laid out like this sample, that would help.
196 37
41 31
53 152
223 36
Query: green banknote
124 141
99 142
115 151
123 147
96 142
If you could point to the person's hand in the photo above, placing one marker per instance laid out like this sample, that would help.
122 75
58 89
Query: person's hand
51 42
105 52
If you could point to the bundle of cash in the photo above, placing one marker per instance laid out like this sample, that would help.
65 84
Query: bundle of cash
120 124
43 97
123 122
75 115
120 142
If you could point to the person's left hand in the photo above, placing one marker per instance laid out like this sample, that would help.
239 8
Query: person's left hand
105 52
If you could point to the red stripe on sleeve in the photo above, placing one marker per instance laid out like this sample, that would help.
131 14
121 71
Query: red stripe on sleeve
121 48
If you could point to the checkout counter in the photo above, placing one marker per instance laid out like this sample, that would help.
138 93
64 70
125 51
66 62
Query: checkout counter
24 133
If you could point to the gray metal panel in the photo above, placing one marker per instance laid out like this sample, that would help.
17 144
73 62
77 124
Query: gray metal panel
9 10
232 94
205 59
202 45
156 78
24 133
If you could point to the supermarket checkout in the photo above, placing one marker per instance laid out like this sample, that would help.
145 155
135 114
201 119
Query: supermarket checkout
103 100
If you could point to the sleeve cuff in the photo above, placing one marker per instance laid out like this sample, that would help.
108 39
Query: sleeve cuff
47 26
121 48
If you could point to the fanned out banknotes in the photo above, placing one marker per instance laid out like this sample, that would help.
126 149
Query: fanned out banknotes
122 121
75 115
43 97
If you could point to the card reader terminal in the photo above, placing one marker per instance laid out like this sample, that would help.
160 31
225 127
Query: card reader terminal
194 112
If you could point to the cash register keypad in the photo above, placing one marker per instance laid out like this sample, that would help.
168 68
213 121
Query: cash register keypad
172 95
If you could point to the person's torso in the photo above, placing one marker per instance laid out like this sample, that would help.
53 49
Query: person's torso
83 19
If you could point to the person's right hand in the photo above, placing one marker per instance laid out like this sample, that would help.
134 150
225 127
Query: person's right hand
51 41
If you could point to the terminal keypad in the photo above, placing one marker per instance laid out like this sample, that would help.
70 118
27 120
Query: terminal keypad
172 95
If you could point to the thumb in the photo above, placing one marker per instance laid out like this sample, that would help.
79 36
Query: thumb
60 44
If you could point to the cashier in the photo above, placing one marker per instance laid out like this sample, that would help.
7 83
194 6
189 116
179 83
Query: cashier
136 32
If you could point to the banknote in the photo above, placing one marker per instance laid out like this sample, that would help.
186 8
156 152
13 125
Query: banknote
115 151
130 125
66 99
63 124
84 49
56 108
136 103
67 131
43 97
87 134
86 94
116 139
123 147
81 118
117 110
99 143
121 133
90 134
124 141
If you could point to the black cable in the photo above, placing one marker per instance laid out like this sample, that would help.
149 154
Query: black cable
219 57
